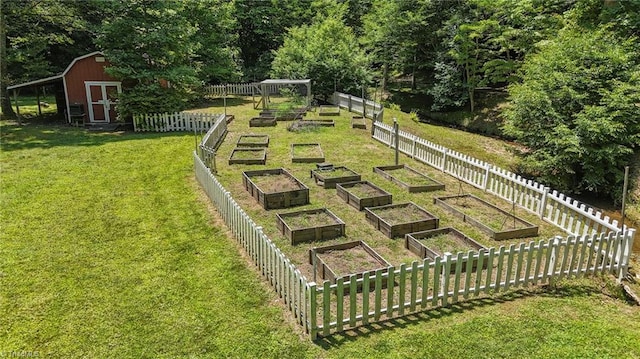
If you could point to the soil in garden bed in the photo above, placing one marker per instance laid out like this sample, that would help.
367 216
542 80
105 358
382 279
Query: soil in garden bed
275 183
486 215
397 215
247 155
363 190
253 140
307 220
409 177
335 173
446 242
350 261
307 151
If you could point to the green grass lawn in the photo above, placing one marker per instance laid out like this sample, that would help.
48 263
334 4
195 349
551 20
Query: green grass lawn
109 249
29 105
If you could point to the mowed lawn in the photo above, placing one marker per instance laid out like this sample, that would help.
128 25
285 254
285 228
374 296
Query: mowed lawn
109 249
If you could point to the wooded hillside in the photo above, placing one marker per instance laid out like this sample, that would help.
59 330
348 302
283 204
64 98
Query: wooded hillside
570 70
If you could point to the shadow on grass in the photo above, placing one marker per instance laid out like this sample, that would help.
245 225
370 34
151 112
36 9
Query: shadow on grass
566 290
219 103
42 134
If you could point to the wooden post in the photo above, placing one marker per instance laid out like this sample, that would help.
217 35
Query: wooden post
364 104
373 125
396 130
444 159
624 196
314 259
195 131
622 270
551 269
15 96
213 160
225 101
543 202
313 305
253 98
38 101
485 185
413 146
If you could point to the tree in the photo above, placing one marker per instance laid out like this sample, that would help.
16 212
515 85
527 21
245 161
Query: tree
486 42
217 54
327 53
39 38
149 42
261 26
577 110
397 34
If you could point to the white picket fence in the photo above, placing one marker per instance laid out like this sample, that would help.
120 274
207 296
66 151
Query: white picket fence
326 308
573 217
241 89
399 291
211 141
367 108
276 268
178 121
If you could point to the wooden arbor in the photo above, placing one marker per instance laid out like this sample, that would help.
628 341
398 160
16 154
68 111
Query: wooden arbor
273 85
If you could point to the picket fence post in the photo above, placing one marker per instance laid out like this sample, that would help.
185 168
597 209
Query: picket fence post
543 202
444 159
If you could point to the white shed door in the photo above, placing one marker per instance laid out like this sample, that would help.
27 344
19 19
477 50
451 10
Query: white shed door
100 99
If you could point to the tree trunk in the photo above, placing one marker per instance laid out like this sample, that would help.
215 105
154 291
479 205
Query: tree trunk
7 110
470 89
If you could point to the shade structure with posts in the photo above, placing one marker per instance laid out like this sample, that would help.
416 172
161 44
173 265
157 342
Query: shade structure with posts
266 87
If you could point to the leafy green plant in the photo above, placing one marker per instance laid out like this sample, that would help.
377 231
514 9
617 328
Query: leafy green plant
325 51
577 111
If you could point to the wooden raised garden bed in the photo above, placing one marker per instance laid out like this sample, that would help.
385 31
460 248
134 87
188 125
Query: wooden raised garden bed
253 141
363 194
359 122
318 122
396 220
328 178
262 122
290 115
306 153
440 242
328 110
406 177
248 156
275 188
310 225
497 223
343 260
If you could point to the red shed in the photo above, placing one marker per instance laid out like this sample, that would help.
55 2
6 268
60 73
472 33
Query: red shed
88 91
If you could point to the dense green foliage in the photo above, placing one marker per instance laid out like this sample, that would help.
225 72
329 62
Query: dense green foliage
323 51
456 53
39 38
577 111
149 43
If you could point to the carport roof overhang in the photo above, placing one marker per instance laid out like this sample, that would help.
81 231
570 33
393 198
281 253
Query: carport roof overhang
40 82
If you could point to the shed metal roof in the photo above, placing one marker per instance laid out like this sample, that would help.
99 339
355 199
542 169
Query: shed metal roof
52 79
44 81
